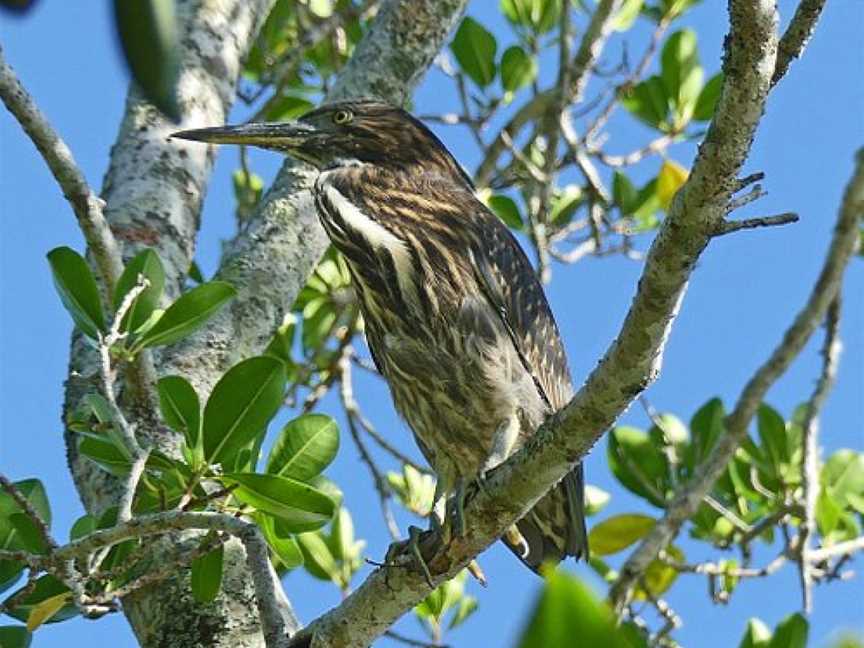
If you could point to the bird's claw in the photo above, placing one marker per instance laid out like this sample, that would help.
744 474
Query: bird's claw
411 546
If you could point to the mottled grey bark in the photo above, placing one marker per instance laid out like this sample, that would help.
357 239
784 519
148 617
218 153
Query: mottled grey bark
154 190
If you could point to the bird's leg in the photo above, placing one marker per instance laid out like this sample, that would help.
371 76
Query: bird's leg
456 511
503 444
437 525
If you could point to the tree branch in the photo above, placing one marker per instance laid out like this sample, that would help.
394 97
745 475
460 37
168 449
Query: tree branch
797 35
687 499
85 203
727 227
630 364
810 444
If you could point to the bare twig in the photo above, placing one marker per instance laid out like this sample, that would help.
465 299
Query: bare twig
602 118
727 227
127 430
352 412
797 35
740 201
839 549
589 49
88 207
810 444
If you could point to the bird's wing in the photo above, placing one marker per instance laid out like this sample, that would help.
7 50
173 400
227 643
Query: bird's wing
511 286
555 528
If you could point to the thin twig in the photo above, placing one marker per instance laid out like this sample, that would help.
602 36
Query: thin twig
88 207
840 549
589 49
810 444
346 393
727 227
797 35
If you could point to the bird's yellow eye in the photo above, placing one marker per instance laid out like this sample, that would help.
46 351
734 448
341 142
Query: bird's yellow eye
342 117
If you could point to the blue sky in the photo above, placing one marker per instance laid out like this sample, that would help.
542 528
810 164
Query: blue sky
744 292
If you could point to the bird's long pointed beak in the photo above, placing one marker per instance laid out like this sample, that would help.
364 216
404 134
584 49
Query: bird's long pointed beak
266 135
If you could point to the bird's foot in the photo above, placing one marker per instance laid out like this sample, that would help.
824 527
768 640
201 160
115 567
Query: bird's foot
412 547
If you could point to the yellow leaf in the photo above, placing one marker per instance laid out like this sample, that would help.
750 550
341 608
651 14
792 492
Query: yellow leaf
672 175
618 532
658 575
43 611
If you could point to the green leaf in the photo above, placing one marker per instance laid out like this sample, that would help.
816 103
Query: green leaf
34 492
299 506
659 576
518 68
674 8
706 427
538 16
47 587
772 434
180 407
474 48
567 609
505 208
305 447
618 532
791 632
15 637
17 531
82 526
148 34
639 464
649 102
317 557
105 454
191 311
842 477
624 193
241 405
207 575
681 74
77 289
27 533
565 204
147 264
467 607
708 97
284 545
757 635
627 15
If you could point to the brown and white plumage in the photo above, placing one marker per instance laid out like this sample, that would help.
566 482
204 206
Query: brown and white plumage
455 317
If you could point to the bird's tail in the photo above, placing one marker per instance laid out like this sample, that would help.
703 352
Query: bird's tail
555 528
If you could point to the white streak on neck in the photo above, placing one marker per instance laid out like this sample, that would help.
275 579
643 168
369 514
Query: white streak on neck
379 237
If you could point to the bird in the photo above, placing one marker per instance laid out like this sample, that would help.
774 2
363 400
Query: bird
455 317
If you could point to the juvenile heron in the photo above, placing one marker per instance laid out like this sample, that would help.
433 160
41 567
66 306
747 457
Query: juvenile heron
455 317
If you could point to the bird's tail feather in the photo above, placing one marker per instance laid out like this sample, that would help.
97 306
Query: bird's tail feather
555 528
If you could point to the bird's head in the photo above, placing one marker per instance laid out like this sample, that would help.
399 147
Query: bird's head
346 134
